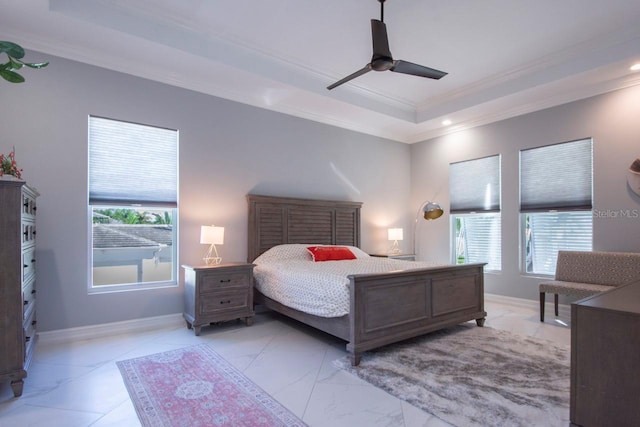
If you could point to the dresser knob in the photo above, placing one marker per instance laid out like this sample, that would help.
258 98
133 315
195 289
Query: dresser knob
225 281
33 291
33 323
25 265
27 339
25 302
225 302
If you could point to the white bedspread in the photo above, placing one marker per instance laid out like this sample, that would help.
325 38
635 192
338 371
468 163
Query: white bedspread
288 274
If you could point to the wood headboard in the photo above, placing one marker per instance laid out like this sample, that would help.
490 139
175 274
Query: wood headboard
280 220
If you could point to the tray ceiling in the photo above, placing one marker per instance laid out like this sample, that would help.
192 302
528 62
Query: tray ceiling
504 58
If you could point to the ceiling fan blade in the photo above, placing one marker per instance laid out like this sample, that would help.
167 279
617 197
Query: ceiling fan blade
352 76
380 39
406 67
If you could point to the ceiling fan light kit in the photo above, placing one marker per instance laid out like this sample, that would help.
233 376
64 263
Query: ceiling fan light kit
382 59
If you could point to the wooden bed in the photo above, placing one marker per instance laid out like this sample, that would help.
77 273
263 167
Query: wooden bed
384 308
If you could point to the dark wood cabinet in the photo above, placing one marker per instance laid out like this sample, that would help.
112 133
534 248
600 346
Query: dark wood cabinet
605 359
216 293
17 281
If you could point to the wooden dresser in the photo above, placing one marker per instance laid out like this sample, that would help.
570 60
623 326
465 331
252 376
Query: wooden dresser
605 359
17 281
216 293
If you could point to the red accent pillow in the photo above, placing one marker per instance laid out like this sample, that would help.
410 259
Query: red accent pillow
330 253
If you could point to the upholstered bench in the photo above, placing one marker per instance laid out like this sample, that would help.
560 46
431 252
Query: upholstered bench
582 274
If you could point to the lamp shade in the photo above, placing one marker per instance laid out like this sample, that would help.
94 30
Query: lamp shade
211 235
432 211
395 233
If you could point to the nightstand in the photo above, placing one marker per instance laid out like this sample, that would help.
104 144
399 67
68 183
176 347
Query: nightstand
215 293
404 257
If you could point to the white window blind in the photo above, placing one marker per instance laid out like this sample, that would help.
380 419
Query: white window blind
131 164
474 185
556 177
550 232
478 239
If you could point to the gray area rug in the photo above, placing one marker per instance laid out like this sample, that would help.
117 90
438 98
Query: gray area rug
472 376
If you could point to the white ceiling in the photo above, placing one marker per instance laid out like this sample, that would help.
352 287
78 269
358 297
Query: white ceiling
504 57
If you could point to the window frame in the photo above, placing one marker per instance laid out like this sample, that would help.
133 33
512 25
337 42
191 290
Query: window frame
173 208
523 239
470 207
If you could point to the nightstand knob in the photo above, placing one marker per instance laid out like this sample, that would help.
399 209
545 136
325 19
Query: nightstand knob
225 280
226 302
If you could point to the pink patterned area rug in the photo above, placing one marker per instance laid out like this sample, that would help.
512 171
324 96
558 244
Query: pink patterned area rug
193 387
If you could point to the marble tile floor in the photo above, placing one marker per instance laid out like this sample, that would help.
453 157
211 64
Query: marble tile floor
78 384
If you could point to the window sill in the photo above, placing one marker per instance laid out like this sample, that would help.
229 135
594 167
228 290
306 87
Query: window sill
107 289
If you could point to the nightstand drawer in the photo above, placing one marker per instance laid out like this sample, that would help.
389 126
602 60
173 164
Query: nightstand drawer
223 301
214 282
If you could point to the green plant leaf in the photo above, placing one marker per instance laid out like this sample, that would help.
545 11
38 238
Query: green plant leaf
11 76
36 65
15 64
11 49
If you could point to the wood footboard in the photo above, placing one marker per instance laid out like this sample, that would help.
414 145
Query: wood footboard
390 307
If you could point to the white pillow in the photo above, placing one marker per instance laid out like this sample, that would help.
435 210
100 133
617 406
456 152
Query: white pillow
284 252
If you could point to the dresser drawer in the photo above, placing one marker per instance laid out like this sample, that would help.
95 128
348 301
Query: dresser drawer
28 233
29 336
28 263
214 282
223 301
28 205
28 299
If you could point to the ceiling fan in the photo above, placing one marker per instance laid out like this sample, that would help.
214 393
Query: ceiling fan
382 59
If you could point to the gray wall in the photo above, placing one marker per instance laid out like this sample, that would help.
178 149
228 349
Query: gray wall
612 120
227 150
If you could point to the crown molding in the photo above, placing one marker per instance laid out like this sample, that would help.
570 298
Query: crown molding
555 60
519 108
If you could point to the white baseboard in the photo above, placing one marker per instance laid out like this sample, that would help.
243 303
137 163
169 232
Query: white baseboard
110 329
158 322
564 310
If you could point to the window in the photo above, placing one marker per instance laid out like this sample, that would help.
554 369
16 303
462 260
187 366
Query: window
475 212
133 204
555 203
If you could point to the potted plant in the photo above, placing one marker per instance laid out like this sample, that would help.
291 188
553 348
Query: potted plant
8 166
